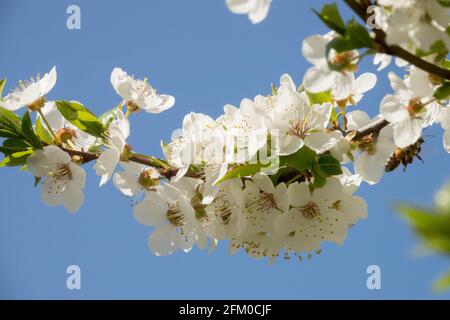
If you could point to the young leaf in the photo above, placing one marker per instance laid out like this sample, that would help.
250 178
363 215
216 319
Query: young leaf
244 170
16 144
81 117
319 179
358 35
331 17
443 283
2 86
443 91
10 121
42 132
320 98
27 130
302 160
328 165
16 159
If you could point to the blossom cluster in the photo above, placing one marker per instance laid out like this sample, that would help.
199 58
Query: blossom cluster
276 175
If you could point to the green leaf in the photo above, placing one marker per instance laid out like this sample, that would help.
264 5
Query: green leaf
320 98
302 160
9 120
433 229
16 144
6 133
244 170
81 117
358 35
331 17
42 132
443 91
328 165
2 86
27 130
36 181
319 179
444 3
16 159
443 283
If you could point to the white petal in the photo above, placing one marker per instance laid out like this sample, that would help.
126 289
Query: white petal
364 83
320 141
30 94
52 191
38 163
127 183
314 50
163 241
150 212
260 12
78 175
240 6
73 197
298 194
392 109
447 140
106 164
407 132
357 119
158 103
11 102
318 80
289 144
383 60
48 82
343 85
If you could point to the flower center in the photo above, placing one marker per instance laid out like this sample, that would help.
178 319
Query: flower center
62 172
66 134
175 215
147 179
310 211
414 106
266 201
37 104
299 128
345 59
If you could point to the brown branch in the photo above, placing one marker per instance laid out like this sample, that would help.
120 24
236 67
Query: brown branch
167 171
380 38
374 127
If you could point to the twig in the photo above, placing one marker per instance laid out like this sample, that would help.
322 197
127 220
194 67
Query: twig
380 38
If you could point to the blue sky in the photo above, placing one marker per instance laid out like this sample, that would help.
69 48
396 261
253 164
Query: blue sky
206 57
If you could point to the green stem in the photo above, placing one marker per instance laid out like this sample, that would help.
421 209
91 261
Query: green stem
49 127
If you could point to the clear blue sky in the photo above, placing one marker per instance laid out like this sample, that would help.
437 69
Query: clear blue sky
205 56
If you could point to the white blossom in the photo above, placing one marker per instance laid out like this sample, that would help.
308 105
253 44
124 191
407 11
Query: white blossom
139 93
64 180
30 93
256 10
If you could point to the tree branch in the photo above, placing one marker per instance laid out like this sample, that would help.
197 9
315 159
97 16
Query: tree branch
380 38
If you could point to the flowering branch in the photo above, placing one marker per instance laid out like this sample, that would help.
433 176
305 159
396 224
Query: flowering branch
269 175
361 9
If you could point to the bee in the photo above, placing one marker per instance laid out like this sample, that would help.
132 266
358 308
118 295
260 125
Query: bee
404 156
